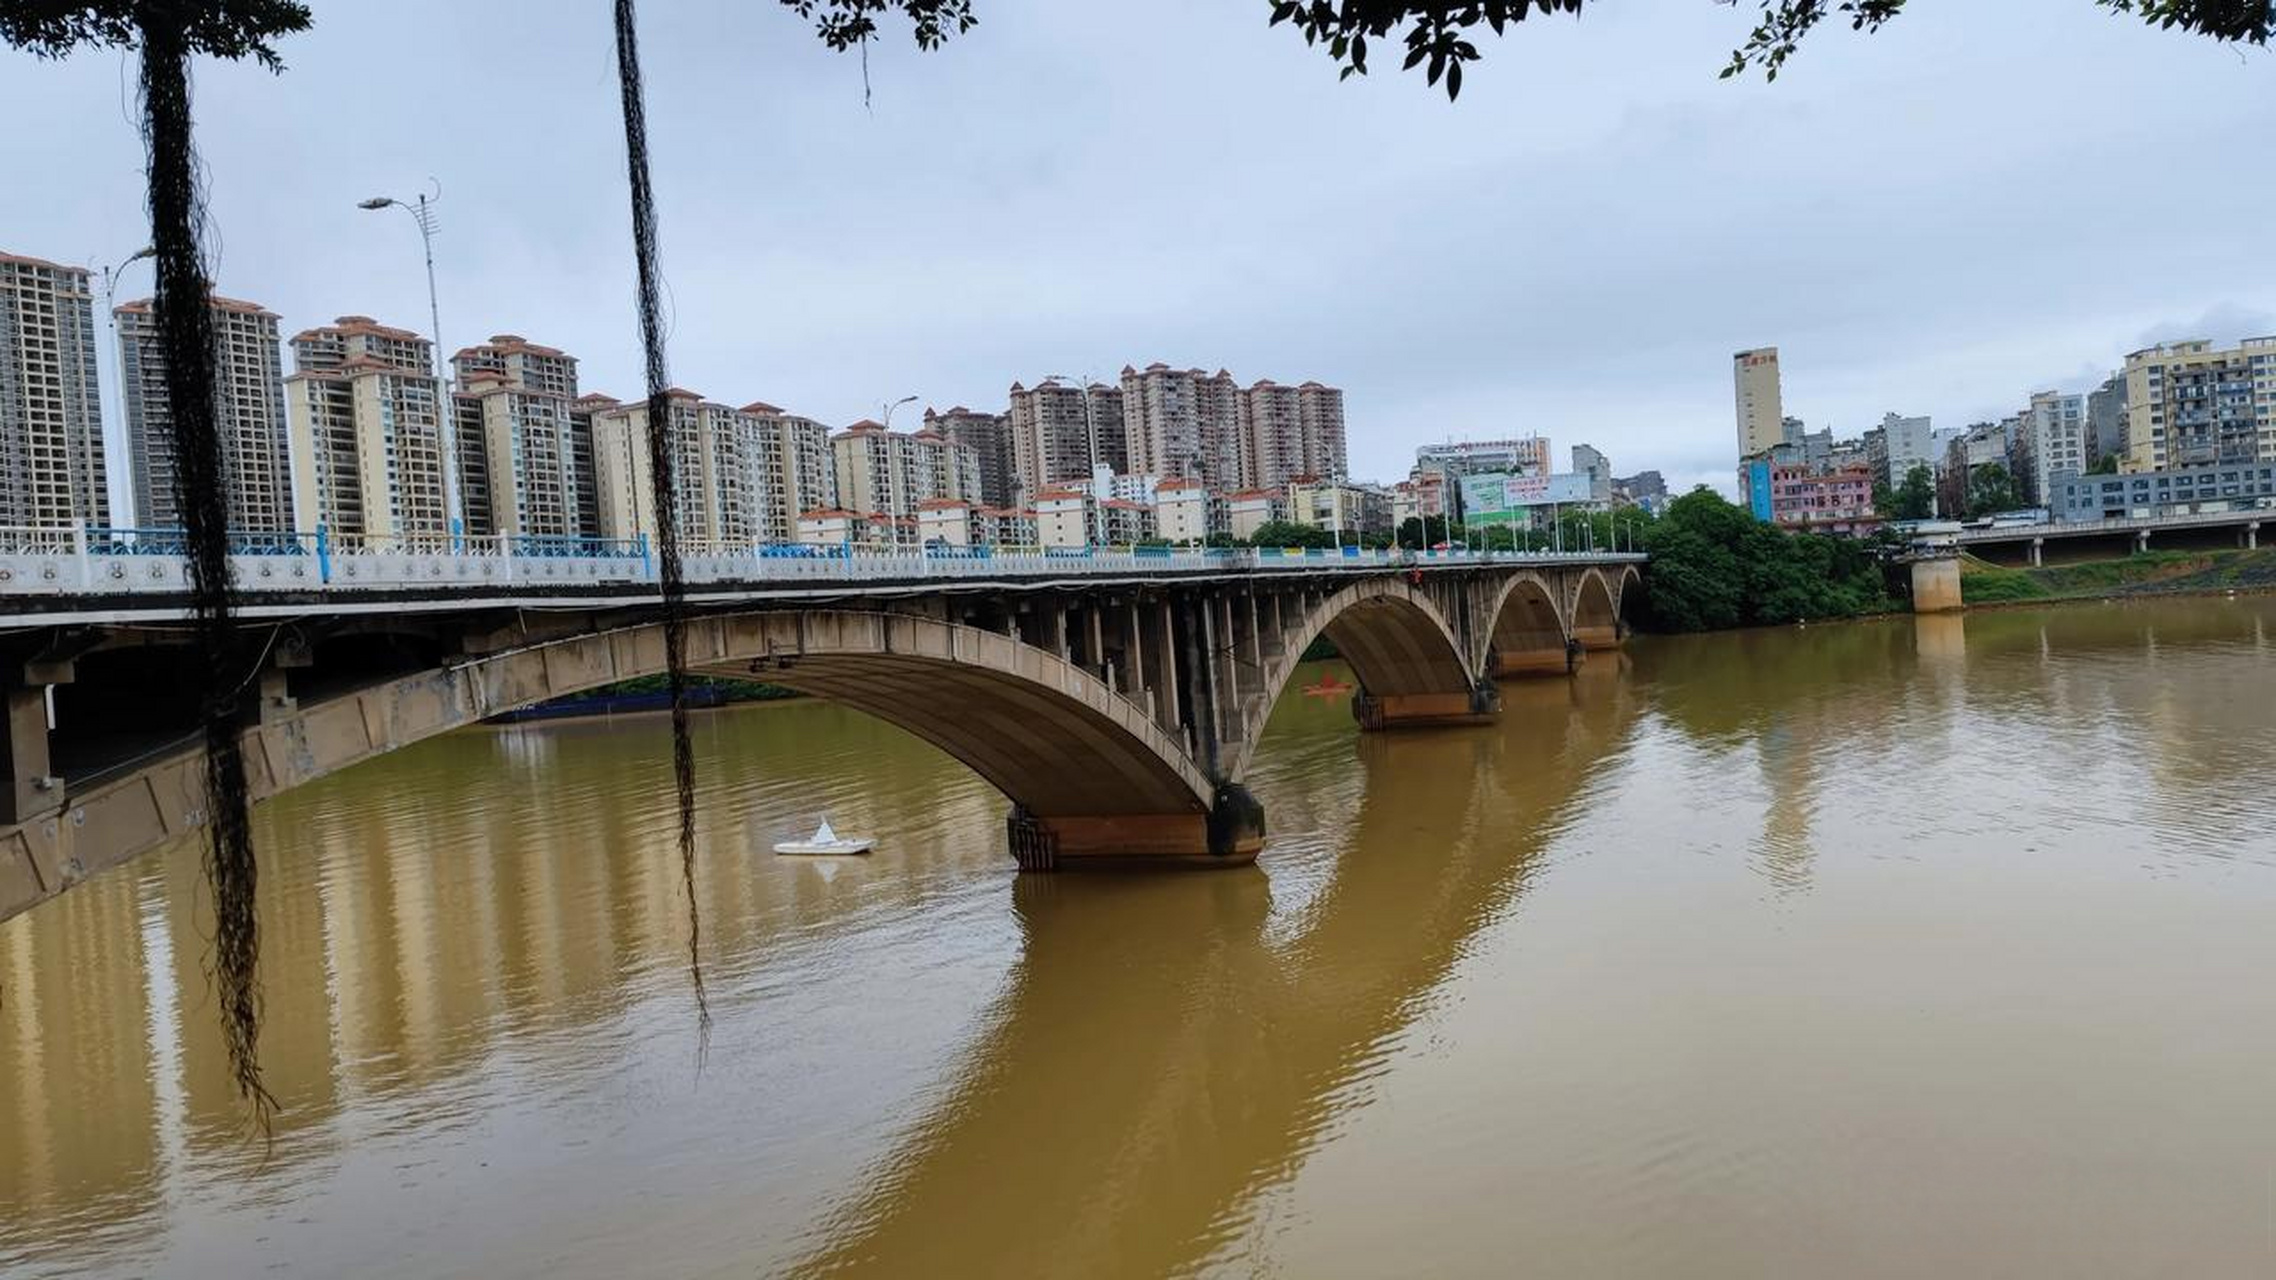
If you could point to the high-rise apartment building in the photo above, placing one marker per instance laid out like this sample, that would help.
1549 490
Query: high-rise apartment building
1183 422
807 466
529 483
1590 461
1290 432
723 481
473 466
521 363
1898 445
889 473
525 452
2106 419
367 451
1052 425
2055 444
1272 420
51 421
2192 404
332 346
1761 413
1320 411
989 436
365 421
586 461
743 475
249 409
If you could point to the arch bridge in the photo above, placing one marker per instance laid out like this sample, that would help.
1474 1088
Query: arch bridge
1116 709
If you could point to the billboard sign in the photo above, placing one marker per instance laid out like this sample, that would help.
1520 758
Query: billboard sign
1500 498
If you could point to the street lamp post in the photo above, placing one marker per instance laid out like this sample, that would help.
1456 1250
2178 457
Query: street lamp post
888 406
422 211
129 512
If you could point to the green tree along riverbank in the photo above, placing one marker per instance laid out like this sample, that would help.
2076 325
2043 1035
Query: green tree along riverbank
1715 566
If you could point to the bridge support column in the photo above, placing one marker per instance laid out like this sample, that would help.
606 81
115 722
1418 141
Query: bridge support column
2252 536
276 703
1481 705
2038 552
2142 542
1936 585
1597 639
1230 835
31 790
1532 662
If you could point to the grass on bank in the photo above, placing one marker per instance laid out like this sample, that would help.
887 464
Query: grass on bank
2148 573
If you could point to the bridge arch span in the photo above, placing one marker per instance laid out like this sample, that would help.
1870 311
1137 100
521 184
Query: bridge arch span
1412 666
1596 621
1529 635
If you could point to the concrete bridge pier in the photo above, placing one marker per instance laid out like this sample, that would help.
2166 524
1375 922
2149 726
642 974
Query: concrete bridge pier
1936 584
31 790
1231 834
2250 538
1481 705
1533 662
1597 639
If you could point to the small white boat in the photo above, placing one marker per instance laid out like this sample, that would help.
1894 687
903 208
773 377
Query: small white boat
827 843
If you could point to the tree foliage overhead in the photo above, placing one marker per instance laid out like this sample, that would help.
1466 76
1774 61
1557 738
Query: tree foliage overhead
1438 34
843 24
230 29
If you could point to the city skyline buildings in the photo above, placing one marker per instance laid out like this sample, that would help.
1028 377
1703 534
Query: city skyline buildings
361 440
1262 417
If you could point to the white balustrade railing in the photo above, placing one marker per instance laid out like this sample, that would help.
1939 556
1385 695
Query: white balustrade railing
106 562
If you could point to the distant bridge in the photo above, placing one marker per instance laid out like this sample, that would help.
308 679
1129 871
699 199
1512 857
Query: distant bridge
1114 697
2032 544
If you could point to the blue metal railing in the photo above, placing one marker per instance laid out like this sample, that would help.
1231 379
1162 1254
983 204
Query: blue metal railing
108 541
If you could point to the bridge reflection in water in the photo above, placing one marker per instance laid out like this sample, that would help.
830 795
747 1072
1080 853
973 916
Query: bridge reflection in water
1163 1054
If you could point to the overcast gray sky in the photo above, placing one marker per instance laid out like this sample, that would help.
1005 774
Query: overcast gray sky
1984 199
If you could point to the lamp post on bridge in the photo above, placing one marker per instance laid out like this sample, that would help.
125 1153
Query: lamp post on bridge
422 211
125 513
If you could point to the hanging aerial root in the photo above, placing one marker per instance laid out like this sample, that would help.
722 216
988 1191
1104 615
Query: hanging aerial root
662 478
186 336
